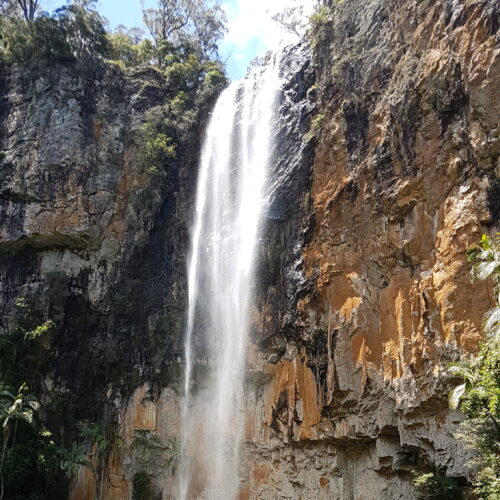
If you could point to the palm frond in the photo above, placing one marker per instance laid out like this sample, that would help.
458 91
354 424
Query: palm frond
483 270
20 406
456 395
73 458
7 392
491 322
462 369
472 254
34 405
27 416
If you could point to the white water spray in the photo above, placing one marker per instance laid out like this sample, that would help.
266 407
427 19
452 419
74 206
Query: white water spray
229 203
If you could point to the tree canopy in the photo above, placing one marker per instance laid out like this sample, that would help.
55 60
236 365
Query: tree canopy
194 24
177 31
27 8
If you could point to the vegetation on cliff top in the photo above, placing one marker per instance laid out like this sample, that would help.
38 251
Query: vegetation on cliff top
180 51
178 55
176 28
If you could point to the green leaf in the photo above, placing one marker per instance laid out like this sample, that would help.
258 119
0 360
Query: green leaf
456 395
491 322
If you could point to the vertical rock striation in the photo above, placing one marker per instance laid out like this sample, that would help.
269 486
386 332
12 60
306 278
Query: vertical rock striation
92 241
374 298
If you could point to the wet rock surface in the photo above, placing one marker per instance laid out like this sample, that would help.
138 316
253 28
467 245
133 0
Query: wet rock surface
375 294
88 239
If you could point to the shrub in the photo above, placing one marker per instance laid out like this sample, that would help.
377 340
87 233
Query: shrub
436 485
32 467
141 486
155 148
319 23
316 126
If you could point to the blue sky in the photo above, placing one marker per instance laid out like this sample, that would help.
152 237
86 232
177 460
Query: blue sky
251 31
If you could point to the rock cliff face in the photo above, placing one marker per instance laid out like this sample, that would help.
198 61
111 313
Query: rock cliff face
90 240
386 170
378 297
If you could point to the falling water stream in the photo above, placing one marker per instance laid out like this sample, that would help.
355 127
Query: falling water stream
228 216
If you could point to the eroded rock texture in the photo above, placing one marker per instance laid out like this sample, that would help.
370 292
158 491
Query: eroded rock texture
92 240
350 375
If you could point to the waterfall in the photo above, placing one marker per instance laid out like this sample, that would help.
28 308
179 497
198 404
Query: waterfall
229 205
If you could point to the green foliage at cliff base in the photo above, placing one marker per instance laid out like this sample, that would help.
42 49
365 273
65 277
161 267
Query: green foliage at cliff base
478 394
436 485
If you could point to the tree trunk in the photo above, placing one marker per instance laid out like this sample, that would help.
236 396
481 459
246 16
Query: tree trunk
494 421
4 449
29 8
15 433
101 480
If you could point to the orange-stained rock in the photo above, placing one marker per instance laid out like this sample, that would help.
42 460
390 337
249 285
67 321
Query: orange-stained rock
244 493
157 414
144 410
260 474
116 486
324 482
85 487
293 405
404 180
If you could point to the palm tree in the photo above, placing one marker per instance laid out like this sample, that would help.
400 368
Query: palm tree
486 264
485 260
14 407
73 458
95 434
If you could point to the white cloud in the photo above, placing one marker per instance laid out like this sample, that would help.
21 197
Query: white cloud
251 30
250 19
